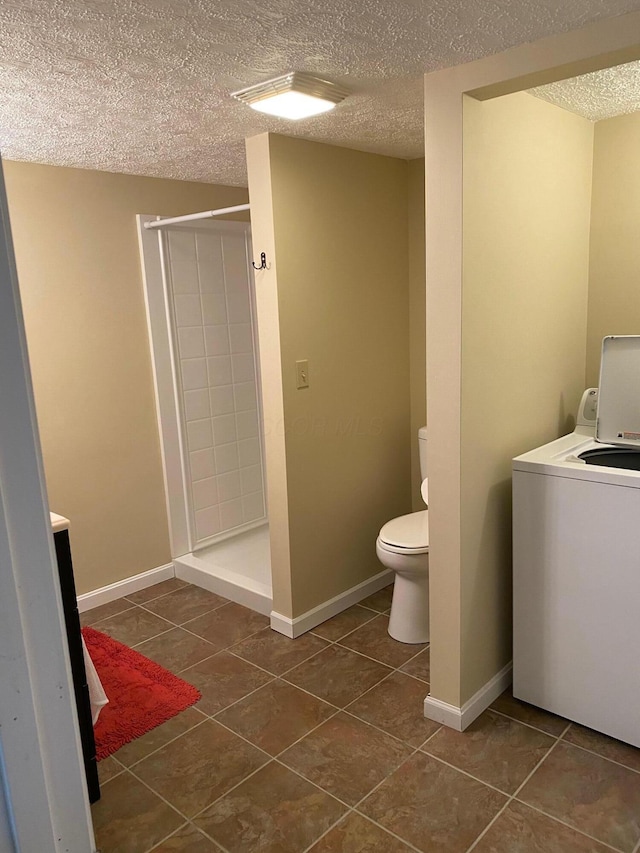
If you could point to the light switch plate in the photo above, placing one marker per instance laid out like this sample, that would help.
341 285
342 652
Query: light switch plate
302 374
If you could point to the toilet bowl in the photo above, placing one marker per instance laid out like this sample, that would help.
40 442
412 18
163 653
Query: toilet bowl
403 546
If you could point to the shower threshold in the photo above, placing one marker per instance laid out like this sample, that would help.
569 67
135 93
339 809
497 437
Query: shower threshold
238 568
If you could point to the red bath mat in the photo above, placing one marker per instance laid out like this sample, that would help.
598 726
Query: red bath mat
141 693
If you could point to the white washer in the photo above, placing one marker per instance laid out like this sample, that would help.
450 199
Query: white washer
576 569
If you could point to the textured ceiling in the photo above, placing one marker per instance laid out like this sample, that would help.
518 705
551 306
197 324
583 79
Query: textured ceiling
142 86
603 94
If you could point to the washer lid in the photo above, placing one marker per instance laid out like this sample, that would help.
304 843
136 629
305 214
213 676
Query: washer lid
619 396
407 531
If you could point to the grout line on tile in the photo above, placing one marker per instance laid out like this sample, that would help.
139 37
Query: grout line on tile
104 618
181 672
369 689
514 795
315 784
528 725
153 752
229 791
346 633
385 829
598 754
153 791
390 832
210 838
362 654
186 622
568 825
218 648
309 693
465 772
304 690
356 807
311 655
426 646
422 746
382 781
146 639
382 731
272 757
162 840
360 627
327 831
271 760
162 595
368 657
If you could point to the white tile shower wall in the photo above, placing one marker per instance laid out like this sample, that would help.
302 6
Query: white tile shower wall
215 335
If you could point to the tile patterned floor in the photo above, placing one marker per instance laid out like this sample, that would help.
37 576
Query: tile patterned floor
319 744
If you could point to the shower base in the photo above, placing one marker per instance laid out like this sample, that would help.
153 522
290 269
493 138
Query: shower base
238 568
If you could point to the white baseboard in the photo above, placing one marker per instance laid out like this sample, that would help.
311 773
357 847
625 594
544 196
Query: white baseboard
88 600
461 718
243 590
305 622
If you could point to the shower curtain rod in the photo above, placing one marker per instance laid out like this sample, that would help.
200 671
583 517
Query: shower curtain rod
206 214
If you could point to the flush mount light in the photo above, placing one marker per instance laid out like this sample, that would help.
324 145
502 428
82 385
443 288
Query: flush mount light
293 96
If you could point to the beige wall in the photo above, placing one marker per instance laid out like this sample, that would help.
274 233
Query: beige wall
614 273
417 317
77 256
527 187
341 276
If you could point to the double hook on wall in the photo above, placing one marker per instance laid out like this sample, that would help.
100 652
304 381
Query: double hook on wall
263 262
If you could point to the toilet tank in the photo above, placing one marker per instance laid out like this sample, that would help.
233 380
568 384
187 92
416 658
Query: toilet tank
422 445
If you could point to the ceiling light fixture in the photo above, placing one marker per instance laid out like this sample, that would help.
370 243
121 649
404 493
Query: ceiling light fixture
294 96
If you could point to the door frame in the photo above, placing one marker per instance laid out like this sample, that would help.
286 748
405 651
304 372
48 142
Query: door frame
39 735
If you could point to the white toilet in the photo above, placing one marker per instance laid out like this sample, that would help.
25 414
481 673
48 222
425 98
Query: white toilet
403 545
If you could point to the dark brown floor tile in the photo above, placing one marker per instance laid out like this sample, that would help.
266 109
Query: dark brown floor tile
222 680
104 611
108 768
188 839
228 624
520 829
346 757
277 653
432 806
177 649
337 675
608 747
274 811
201 765
275 716
344 623
161 735
590 793
525 713
133 626
374 641
185 604
356 834
379 601
129 818
419 666
397 706
494 749
155 591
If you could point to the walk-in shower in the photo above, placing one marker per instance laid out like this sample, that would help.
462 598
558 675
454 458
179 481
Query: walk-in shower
199 292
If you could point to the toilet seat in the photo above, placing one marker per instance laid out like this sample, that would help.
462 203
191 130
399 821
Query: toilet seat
407 534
